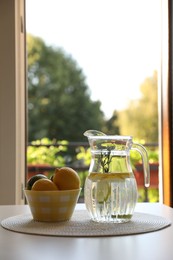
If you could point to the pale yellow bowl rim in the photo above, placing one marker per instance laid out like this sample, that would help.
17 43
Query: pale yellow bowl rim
52 191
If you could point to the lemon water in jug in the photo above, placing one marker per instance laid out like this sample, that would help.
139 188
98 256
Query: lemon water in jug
110 191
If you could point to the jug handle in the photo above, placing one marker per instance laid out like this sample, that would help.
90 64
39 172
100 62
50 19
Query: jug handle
143 152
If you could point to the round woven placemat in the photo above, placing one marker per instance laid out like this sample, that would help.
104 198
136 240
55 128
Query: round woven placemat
80 225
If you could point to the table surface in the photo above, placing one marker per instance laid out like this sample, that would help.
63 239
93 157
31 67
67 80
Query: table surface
156 245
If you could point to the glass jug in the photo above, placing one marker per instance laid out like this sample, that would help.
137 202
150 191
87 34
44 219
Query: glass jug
110 190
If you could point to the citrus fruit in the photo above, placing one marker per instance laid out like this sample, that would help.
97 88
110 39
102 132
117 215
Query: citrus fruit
103 185
102 191
34 179
44 185
66 179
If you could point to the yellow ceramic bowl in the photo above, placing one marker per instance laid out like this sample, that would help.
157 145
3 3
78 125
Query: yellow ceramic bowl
52 205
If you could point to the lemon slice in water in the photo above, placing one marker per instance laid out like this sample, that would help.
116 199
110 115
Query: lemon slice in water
103 191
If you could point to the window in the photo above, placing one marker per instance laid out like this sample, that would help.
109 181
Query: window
115 46
12 147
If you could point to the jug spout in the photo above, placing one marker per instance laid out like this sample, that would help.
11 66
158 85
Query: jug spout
93 133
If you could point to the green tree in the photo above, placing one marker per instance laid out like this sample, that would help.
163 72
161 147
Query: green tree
59 103
140 119
111 125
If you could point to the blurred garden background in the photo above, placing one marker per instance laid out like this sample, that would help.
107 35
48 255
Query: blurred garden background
60 110
92 65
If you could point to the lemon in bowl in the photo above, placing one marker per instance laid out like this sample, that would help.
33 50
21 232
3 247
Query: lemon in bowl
49 203
66 178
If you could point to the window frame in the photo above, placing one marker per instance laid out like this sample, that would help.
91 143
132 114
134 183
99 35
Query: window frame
166 105
12 101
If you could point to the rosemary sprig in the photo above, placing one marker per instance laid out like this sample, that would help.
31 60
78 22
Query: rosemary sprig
106 159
